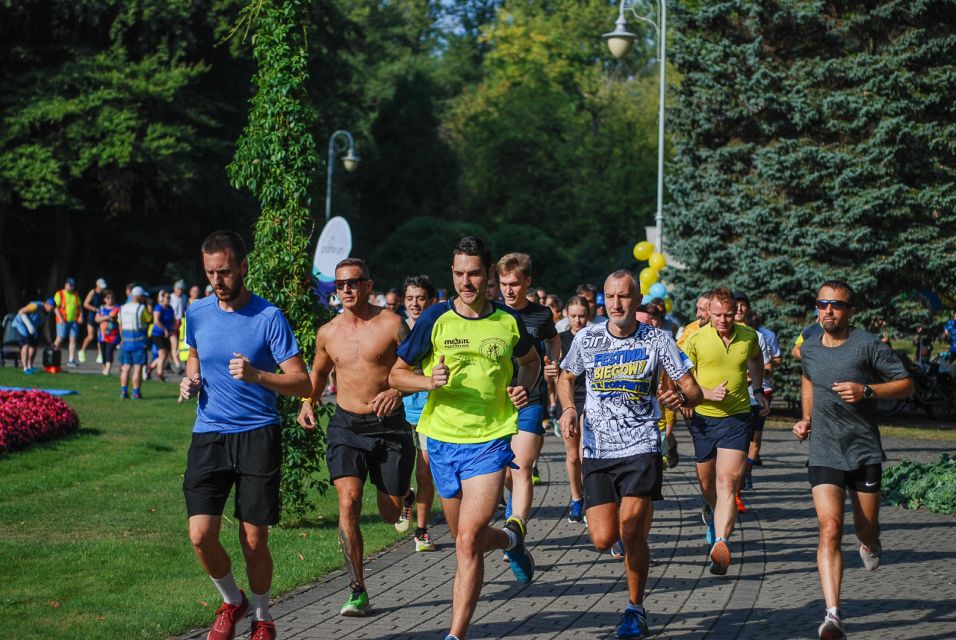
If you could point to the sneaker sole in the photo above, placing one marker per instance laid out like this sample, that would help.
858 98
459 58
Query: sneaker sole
530 576
401 526
864 557
831 634
354 613
719 558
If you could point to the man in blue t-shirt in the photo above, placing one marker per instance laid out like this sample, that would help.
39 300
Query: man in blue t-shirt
236 341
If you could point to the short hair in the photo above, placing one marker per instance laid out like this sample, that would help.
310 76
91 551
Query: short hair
725 296
354 262
706 295
515 262
577 301
585 288
108 292
555 301
473 246
625 273
658 304
420 282
224 239
840 285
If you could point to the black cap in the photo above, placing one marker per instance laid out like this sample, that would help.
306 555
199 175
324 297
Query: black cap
740 296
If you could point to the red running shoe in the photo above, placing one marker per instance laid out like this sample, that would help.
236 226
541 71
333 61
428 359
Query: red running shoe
741 507
262 630
227 615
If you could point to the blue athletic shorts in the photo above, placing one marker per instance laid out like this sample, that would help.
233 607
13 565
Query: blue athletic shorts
530 417
133 358
66 329
710 434
451 463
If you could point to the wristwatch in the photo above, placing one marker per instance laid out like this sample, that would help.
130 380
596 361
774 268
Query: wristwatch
867 391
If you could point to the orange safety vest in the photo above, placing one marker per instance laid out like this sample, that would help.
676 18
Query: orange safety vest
63 293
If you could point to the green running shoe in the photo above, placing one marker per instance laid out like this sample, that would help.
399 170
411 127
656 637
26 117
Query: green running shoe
357 606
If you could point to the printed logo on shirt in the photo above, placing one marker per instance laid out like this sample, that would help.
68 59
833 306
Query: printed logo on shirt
493 348
621 373
456 343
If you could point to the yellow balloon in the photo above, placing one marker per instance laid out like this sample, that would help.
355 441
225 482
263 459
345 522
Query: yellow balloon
657 261
645 289
648 276
668 305
643 250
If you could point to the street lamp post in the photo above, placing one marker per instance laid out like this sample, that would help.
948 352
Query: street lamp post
350 162
621 42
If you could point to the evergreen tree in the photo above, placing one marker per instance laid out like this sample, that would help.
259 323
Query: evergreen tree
815 141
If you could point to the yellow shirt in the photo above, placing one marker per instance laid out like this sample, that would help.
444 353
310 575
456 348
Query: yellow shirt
714 363
689 330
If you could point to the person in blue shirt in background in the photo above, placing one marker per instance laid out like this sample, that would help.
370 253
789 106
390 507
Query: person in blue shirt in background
236 341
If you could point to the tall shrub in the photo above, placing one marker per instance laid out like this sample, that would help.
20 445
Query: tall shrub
276 160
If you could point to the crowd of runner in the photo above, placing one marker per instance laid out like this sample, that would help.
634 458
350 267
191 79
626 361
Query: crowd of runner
459 392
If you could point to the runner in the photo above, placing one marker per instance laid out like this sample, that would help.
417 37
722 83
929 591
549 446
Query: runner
623 472
133 320
465 348
723 353
844 370
368 435
419 293
589 292
578 314
703 317
92 302
514 278
236 342
178 302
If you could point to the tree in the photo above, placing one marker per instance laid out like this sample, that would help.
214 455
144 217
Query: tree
275 160
815 141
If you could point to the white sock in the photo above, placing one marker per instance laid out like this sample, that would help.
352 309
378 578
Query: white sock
261 603
228 588
635 607
835 611
512 539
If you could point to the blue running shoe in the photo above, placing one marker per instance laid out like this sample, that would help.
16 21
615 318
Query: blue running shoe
633 624
522 564
576 514
707 515
508 509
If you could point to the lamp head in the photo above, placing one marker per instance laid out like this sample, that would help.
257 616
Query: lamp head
351 161
620 41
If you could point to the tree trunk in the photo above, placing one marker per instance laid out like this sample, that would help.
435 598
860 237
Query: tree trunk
10 301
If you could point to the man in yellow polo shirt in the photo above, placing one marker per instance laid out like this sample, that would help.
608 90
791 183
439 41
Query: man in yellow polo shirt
703 317
464 347
723 353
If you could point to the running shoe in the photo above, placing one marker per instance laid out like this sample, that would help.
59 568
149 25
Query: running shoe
424 543
707 515
672 457
72 363
357 606
617 549
81 356
227 615
719 557
124 396
832 628
748 481
137 395
535 475
871 555
99 359
741 507
576 514
262 630
633 624
29 371
405 516
522 564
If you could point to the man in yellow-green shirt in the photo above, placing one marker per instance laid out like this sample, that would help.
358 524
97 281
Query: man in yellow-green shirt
465 347
723 353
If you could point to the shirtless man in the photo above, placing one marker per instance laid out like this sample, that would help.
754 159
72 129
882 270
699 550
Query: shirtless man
368 435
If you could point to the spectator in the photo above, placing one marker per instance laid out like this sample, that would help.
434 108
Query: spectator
107 317
68 316
91 303
178 303
133 318
164 321
28 322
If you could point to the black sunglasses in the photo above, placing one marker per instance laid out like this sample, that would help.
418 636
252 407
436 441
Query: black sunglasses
352 283
839 305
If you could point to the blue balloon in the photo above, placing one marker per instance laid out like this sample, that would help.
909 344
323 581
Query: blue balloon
599 298
646 299
658 290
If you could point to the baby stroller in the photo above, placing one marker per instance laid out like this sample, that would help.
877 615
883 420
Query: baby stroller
11 347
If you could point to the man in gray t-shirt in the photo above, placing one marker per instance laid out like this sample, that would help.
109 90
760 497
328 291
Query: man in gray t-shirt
845 371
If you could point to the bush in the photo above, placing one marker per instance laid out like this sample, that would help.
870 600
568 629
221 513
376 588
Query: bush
33 416
915 485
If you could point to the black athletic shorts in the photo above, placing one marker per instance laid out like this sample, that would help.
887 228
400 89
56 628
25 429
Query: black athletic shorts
107 349
369 446
160 342
757 421
865 479
250 460
611 479
710 434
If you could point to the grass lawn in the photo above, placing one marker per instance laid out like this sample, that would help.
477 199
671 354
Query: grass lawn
93 527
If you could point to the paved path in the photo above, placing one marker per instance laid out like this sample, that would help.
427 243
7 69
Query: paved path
771 590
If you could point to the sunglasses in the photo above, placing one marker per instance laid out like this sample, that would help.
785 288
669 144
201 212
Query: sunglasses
839 305
351 283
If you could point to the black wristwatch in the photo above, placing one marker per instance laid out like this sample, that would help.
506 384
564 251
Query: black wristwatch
867 391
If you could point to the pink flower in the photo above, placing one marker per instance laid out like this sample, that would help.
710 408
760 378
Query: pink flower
33 416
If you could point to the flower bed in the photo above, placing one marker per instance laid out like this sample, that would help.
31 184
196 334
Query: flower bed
27 417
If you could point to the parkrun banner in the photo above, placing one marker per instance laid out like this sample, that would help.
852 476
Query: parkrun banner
335 244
